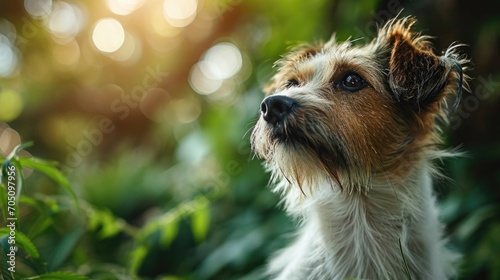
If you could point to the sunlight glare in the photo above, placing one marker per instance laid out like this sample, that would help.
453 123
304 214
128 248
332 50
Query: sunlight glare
130 51
38 8
221 62
9 139
108 35
8 58
224 61
200 82
180 13
65 21
124 7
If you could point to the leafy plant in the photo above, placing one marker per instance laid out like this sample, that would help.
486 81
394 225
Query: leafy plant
51 237
15 234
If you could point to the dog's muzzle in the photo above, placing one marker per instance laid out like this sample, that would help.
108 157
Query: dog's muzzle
276 108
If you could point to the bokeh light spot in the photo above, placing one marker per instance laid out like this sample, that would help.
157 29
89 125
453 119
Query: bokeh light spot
180 13
219 63
161 27
11 105
9 139
65 21
8 58
224 61
200 82
130 51
108 35
124 7
8 29
38 8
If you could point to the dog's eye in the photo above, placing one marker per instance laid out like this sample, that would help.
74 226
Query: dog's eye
291 83
352 82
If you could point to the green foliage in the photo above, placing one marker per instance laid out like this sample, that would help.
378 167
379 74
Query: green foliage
61 252
58 276
21 240
15 234
49 169
102 224
200 222
138 255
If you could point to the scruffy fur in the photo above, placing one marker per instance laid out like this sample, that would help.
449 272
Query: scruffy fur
354 164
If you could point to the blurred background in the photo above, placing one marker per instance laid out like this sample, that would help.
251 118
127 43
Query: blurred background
147 107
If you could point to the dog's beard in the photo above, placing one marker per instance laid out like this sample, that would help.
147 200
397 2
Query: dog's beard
304 149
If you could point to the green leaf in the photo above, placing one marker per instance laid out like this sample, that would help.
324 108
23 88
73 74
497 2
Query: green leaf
169 232
3 201
138 256
40 225
29 201
48 168
19 179
110 225
58 275
63 249
473 222
22 241
14 153
200 222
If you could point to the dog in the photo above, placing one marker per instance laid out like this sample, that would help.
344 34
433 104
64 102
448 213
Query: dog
349 133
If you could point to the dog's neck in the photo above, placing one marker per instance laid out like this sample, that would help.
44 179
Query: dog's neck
388 231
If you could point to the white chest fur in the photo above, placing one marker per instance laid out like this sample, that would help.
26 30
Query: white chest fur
389 232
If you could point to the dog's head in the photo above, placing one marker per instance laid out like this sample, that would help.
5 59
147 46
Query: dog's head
347 113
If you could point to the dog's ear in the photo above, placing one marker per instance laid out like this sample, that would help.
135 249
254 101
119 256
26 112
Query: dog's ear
416 75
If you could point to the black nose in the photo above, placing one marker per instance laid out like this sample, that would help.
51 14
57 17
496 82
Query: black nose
275 108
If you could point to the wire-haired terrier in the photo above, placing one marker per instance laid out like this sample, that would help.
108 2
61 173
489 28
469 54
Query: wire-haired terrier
349 133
